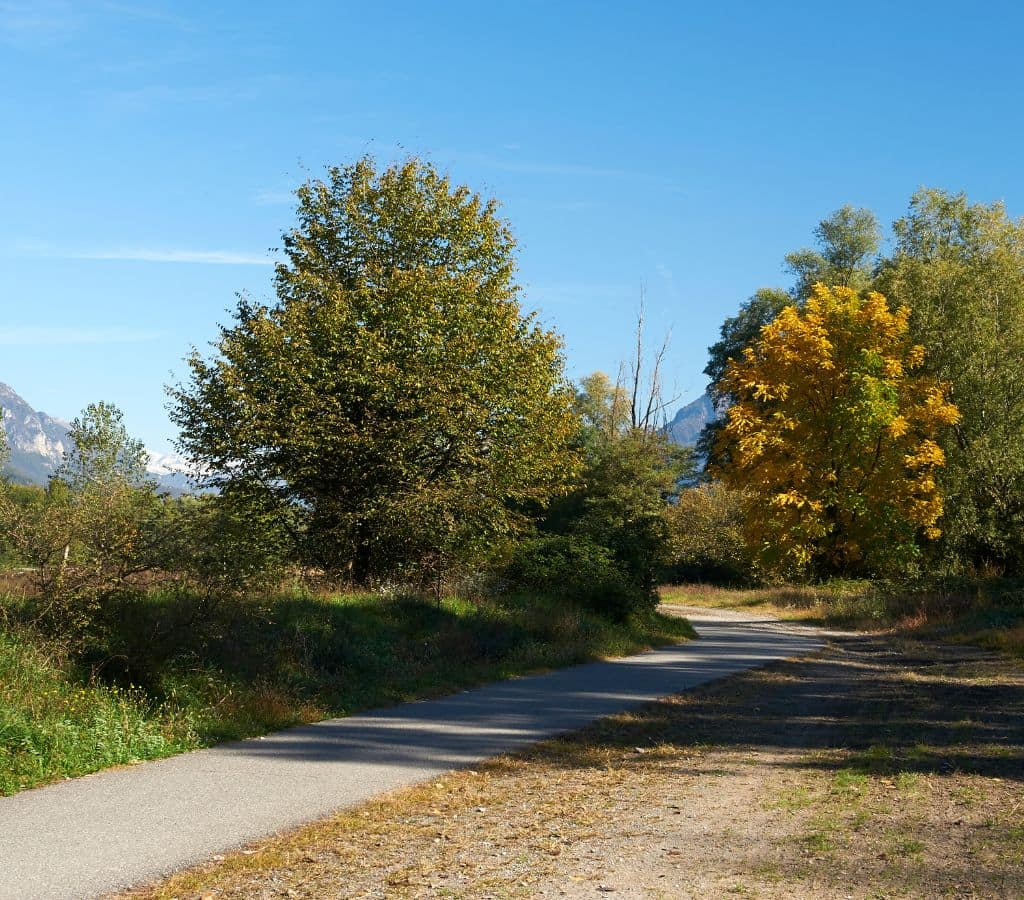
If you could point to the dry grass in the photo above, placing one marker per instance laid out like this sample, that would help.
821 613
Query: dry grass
874 770
794 602
16 583
989 615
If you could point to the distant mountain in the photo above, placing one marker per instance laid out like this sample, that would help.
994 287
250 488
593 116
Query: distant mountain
689 421
170 472
38 442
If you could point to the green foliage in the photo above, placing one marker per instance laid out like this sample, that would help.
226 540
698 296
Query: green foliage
99 536
960 268
93 529
224 546
577 570
629 476
102 452
163 685
395 392
706 541
848 241
15 499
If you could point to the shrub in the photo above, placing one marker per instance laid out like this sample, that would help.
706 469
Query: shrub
581 571
706 536
100 535
92 532
224 546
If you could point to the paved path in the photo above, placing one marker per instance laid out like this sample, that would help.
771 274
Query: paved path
104 832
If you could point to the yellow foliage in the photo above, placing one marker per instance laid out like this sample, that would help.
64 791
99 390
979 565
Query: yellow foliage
832 437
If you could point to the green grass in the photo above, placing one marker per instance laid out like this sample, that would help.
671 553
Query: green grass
848 784
53 725
161 683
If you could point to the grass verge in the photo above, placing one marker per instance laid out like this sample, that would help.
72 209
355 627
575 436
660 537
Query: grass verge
161 684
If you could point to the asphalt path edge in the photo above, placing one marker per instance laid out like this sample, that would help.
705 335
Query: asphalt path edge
102 833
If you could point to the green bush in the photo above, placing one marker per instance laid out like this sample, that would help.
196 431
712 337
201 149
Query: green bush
224 546
100 536
706 537
164 685
14 498
579 570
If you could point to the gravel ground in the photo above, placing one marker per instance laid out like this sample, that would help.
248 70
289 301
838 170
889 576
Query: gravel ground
876 768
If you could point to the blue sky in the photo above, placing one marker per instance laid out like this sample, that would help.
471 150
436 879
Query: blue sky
149 151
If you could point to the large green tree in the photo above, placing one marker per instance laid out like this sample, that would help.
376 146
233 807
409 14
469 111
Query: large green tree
395 391
960 268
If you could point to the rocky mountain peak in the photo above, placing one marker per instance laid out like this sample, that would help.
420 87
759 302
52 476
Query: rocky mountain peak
38 441
689 421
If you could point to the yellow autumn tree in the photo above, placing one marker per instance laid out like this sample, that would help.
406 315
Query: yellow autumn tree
832 437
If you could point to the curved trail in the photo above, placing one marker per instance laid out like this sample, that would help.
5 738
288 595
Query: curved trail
109 831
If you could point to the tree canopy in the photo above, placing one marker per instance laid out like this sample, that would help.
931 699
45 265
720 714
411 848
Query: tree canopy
395 391
848 241
960 268
832 436
630 473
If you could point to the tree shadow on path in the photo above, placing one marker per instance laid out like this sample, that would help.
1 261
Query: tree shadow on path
912 707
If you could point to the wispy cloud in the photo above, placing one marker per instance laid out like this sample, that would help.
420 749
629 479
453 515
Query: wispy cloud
42 336
148 97
147 13
37 22
147 254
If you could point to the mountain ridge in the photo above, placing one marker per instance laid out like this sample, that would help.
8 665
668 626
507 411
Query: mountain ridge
38 441
689 420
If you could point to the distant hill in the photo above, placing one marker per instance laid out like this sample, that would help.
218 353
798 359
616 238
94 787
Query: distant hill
38 442
689 421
